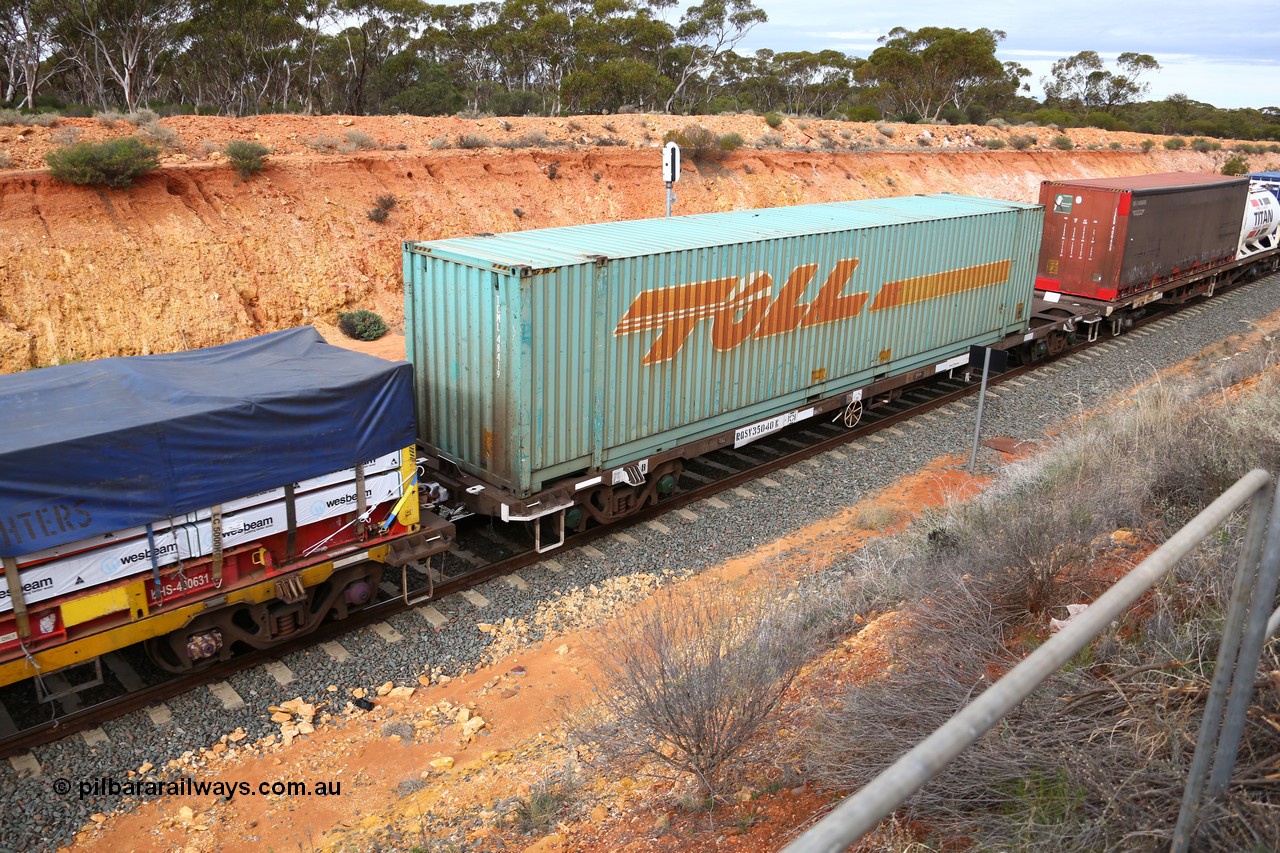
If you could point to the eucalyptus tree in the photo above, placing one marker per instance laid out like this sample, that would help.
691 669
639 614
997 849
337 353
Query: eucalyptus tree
377 30
921 72
119 45
28 42
1082 81
242 56
706 31
459 39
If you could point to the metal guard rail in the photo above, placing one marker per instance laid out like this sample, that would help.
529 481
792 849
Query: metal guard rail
1246 627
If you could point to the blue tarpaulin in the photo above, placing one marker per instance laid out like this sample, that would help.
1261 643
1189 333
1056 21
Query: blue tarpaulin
90 448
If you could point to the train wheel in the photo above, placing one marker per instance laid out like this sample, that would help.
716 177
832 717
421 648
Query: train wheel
607 504
220 634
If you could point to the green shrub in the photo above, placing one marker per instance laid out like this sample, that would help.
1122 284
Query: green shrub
769 139
17 117
1235 165
994 144
324 144
1021 142
1061 142
156 132
702 144
246 157
473 140
1204 145
863 112
358 140
1175 143
1115 146
886 130
1147 145
773 119
363 325
141 118
114 163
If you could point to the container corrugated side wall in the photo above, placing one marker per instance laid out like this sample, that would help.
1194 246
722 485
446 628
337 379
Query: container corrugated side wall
528 376
715 381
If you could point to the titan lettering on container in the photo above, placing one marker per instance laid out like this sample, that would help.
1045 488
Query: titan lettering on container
125 558
740 309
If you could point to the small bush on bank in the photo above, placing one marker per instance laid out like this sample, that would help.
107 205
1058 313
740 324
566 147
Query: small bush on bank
1062 143
324 144
1147 144
547 801
1175 143
114 163
773 119
6 159
701 144
109 118
363 325
769 139
473 140
1235 165
358 140
994 144
886 130
385 201
246 157
687 682
166 137
1205 145
19 118
142 118
1021 142
377 214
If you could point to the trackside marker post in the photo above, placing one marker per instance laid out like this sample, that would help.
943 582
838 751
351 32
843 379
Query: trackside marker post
670 171
984 354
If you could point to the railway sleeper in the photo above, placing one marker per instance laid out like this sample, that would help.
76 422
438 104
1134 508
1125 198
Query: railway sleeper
221 634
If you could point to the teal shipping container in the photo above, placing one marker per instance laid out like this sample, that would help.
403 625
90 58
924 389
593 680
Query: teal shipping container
565 352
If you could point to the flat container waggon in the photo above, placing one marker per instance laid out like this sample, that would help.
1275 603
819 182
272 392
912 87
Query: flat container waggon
202 502
1107 239
573 369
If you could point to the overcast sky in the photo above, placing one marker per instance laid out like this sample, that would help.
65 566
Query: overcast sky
1222 55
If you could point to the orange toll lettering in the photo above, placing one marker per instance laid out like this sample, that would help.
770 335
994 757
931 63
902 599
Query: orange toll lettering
676 311
831 305
739 308
729 330
787 310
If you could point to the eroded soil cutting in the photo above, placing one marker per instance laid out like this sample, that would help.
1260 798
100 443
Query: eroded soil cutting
192 255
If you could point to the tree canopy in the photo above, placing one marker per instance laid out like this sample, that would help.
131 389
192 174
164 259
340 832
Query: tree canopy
549 57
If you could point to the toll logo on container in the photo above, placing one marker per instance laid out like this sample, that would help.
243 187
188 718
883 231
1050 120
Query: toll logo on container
741 308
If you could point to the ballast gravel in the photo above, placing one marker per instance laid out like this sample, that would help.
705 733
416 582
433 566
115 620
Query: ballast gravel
38 815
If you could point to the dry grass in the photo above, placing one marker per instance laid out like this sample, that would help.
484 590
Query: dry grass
689 679
1096 758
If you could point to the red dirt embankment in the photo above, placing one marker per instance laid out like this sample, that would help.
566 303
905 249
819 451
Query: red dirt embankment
192 255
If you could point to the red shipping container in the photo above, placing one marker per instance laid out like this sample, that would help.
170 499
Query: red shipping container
1109 238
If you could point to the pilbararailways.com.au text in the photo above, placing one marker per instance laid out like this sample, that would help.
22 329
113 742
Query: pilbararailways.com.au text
186 786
